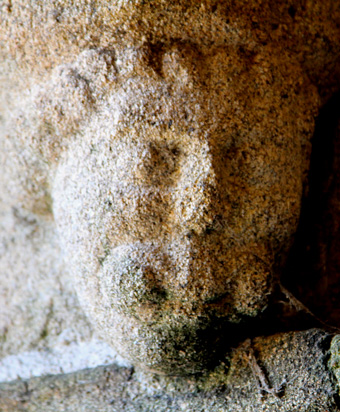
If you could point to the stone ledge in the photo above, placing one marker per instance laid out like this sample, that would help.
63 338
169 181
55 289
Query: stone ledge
291 373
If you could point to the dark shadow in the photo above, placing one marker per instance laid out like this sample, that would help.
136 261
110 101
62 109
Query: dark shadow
312 273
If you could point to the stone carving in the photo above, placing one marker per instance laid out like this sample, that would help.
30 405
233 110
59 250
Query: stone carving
173 209
168 150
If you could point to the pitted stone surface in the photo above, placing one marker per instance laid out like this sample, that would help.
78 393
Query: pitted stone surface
162 149
298 382
172 208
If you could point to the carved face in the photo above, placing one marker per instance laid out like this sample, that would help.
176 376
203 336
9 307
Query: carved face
181 194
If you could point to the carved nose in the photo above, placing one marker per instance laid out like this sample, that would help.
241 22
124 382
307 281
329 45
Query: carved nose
196 193
130 280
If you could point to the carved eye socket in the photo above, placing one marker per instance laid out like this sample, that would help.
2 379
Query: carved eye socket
158 163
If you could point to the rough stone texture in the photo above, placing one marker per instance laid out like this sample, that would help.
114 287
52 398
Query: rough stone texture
54 308
294 367
171 215
154 157
39 309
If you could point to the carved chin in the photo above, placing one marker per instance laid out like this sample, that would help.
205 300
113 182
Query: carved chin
173 320
176 346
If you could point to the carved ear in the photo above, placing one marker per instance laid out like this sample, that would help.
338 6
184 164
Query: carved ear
69 97
98 67
48 116
61 104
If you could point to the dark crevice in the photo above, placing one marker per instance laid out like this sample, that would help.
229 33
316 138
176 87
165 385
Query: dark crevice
309 273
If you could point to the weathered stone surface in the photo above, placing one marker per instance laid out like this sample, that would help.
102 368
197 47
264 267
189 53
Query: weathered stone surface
42 35
36 317
295 378
154 157
172 216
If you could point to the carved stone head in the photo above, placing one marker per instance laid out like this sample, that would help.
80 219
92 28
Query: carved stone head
178 191
177 200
